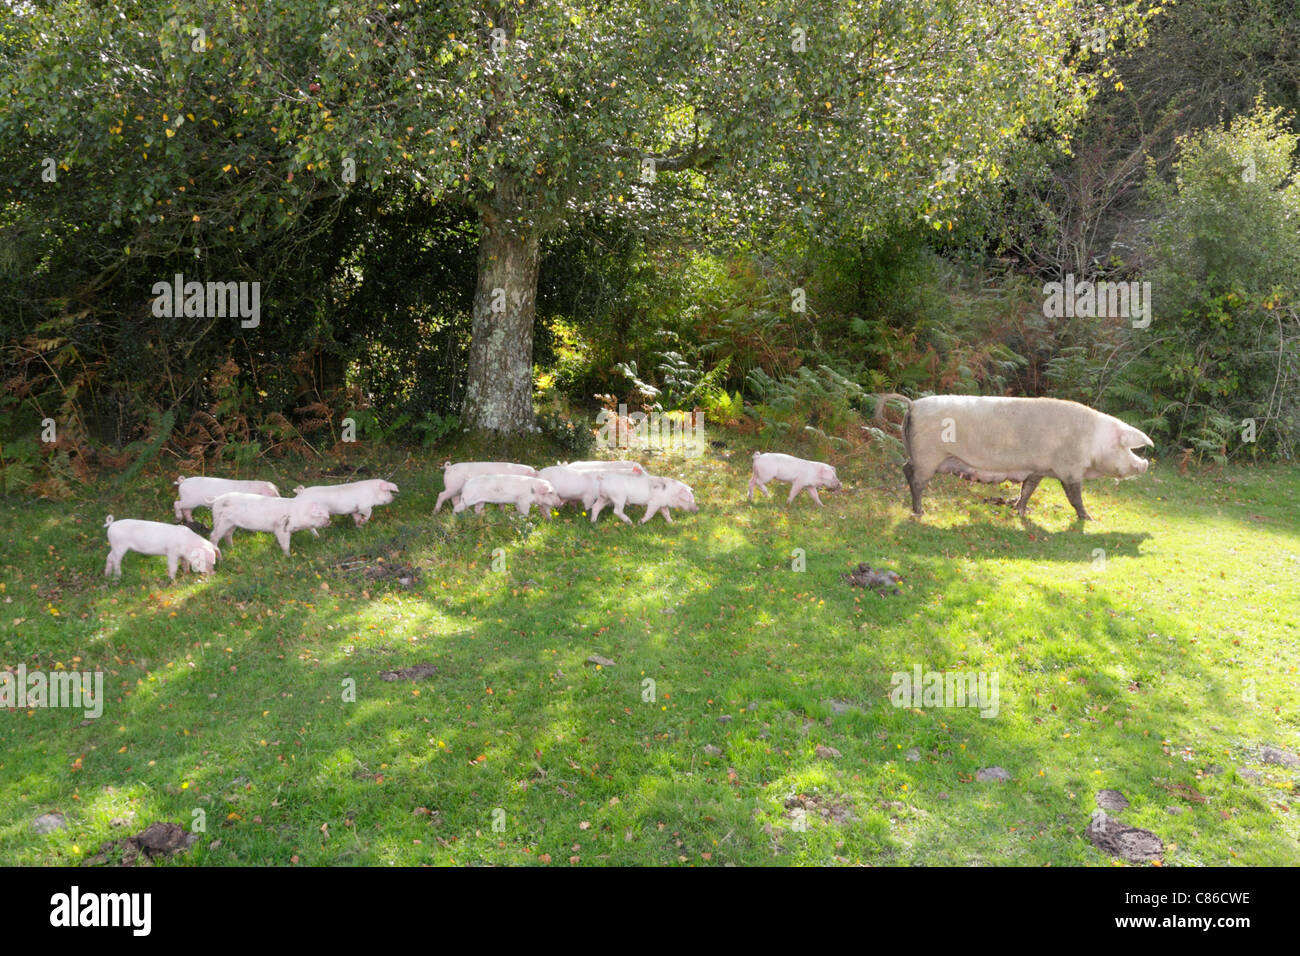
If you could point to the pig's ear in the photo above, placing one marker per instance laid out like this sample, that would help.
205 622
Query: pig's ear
389 486
218 553
1131 437
638 470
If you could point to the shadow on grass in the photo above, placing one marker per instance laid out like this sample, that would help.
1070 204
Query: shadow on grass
516 729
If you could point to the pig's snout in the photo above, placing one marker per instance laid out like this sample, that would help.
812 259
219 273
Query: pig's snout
1137 465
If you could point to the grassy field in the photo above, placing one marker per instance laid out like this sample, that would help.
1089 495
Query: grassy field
747 716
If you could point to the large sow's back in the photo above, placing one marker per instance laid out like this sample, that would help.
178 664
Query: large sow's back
993 439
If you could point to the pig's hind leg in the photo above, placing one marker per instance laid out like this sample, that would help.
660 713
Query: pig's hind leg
917 479
1027 489
618 510
222 529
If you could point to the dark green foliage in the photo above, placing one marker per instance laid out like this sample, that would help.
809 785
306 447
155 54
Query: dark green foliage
1215 373
575 438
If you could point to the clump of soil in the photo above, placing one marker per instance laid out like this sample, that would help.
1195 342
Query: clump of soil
417 672
828 808
1118 839
403 574
881 581
1111 800
156 841
999 501
377 569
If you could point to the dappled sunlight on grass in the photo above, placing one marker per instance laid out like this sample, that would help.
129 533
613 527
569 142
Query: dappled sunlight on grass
1155 668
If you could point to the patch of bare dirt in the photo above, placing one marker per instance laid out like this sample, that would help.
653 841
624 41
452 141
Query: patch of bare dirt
417 672
1118 839
826 807
157 841
377 569
877 579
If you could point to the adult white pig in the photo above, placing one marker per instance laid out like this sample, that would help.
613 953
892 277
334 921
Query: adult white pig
195 492
992 439
656 493
577 481
154 537
278 516
518 490
802 474
356 498
455 476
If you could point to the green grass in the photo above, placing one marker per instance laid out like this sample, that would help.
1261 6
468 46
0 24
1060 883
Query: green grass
1158 672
